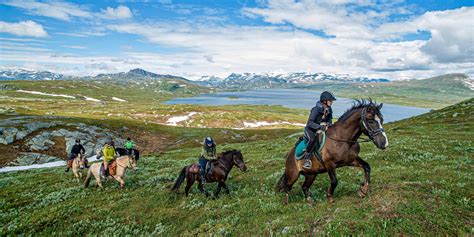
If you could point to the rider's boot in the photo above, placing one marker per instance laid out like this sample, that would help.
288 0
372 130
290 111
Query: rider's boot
307 160
67 169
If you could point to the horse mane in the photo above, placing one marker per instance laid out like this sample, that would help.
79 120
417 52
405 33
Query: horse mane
360 104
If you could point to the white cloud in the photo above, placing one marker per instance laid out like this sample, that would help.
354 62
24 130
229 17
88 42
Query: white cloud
121 12
58 10
23 28
66 11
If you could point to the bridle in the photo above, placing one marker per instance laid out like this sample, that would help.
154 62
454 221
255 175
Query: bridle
371 132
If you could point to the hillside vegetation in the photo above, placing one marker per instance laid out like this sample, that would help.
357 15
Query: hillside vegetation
421 185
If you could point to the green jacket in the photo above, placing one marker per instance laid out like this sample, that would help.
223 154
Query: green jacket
208 152
129 145
109 153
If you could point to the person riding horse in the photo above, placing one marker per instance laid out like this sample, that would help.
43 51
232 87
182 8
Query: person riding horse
319 120
109 155
75 151
129 146
208 152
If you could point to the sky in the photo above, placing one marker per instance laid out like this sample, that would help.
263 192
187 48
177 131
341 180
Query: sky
393 39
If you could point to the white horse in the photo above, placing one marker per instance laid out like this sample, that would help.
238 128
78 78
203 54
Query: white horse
77 166
123 163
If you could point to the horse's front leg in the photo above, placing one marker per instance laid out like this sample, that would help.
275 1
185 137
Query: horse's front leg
120 180
333 179
76 174
364 188
309 179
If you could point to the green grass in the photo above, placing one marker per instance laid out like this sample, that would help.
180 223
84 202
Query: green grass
421 185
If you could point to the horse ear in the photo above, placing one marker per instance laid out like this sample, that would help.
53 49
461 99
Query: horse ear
380 106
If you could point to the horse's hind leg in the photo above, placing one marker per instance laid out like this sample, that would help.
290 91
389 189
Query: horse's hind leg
201 188
189 184
309 179
333 179
364 188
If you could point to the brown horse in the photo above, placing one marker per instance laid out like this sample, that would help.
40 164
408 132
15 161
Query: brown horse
341 149
218 172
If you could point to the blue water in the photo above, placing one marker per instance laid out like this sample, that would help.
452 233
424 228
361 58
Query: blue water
292 98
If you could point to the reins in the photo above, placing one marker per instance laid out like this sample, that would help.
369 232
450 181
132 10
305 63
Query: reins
363 122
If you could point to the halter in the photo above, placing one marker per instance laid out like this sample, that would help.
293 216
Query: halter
363 122
372 133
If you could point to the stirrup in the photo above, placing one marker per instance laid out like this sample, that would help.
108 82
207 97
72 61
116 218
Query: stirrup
307 164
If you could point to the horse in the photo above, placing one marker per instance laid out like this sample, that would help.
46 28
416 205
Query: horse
218 172
341 149
77 165
123 163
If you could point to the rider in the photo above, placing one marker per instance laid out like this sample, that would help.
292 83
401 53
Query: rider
208 152
129 146
109 155
321 113
75 151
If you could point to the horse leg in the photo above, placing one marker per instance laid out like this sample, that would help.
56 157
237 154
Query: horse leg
98 182
218 190
291 179
364 188
120 180
308 181
76 174
189 183
333 179
201 187
226 188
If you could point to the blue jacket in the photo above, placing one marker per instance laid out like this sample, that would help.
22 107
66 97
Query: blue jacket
317 116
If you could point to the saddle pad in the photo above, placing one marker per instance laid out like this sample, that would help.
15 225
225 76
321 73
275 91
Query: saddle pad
194 168
113 167
69 163
303 143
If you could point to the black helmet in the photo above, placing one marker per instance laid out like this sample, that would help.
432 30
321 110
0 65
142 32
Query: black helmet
327 96
78 140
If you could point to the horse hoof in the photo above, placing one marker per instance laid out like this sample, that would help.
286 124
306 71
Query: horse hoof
361 193
285 200
330 199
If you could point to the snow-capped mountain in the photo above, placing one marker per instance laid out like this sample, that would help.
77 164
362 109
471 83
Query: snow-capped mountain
21 74
136 74
254 80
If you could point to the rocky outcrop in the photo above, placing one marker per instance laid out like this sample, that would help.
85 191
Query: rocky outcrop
31 158
21 128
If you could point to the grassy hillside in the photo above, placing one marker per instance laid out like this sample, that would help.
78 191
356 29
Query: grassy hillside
435 92
421 185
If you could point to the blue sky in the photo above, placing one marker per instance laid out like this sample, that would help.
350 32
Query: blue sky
391 39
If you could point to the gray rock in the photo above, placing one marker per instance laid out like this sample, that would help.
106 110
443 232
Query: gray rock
31 158
21 134
38 125
7 135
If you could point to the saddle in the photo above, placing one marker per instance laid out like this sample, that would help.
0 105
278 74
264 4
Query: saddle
302 143
194 168
112 167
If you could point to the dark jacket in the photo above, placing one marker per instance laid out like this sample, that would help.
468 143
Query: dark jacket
317 116
76 149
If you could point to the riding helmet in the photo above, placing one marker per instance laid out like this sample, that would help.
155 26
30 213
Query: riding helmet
209 141
78 140
327 96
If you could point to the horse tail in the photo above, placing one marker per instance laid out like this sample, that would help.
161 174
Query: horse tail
282 185
88 178
180 179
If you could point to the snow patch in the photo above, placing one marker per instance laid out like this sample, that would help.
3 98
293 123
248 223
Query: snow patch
92 99
47 94
173 121
469 84
265 123
118 99
39 166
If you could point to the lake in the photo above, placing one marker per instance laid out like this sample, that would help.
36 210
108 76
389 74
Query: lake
292 98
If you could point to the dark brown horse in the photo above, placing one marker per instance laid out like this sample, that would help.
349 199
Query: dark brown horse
341 149
218 172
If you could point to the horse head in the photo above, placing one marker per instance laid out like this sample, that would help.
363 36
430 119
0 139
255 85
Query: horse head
82 161
372 121
238 160
132 162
